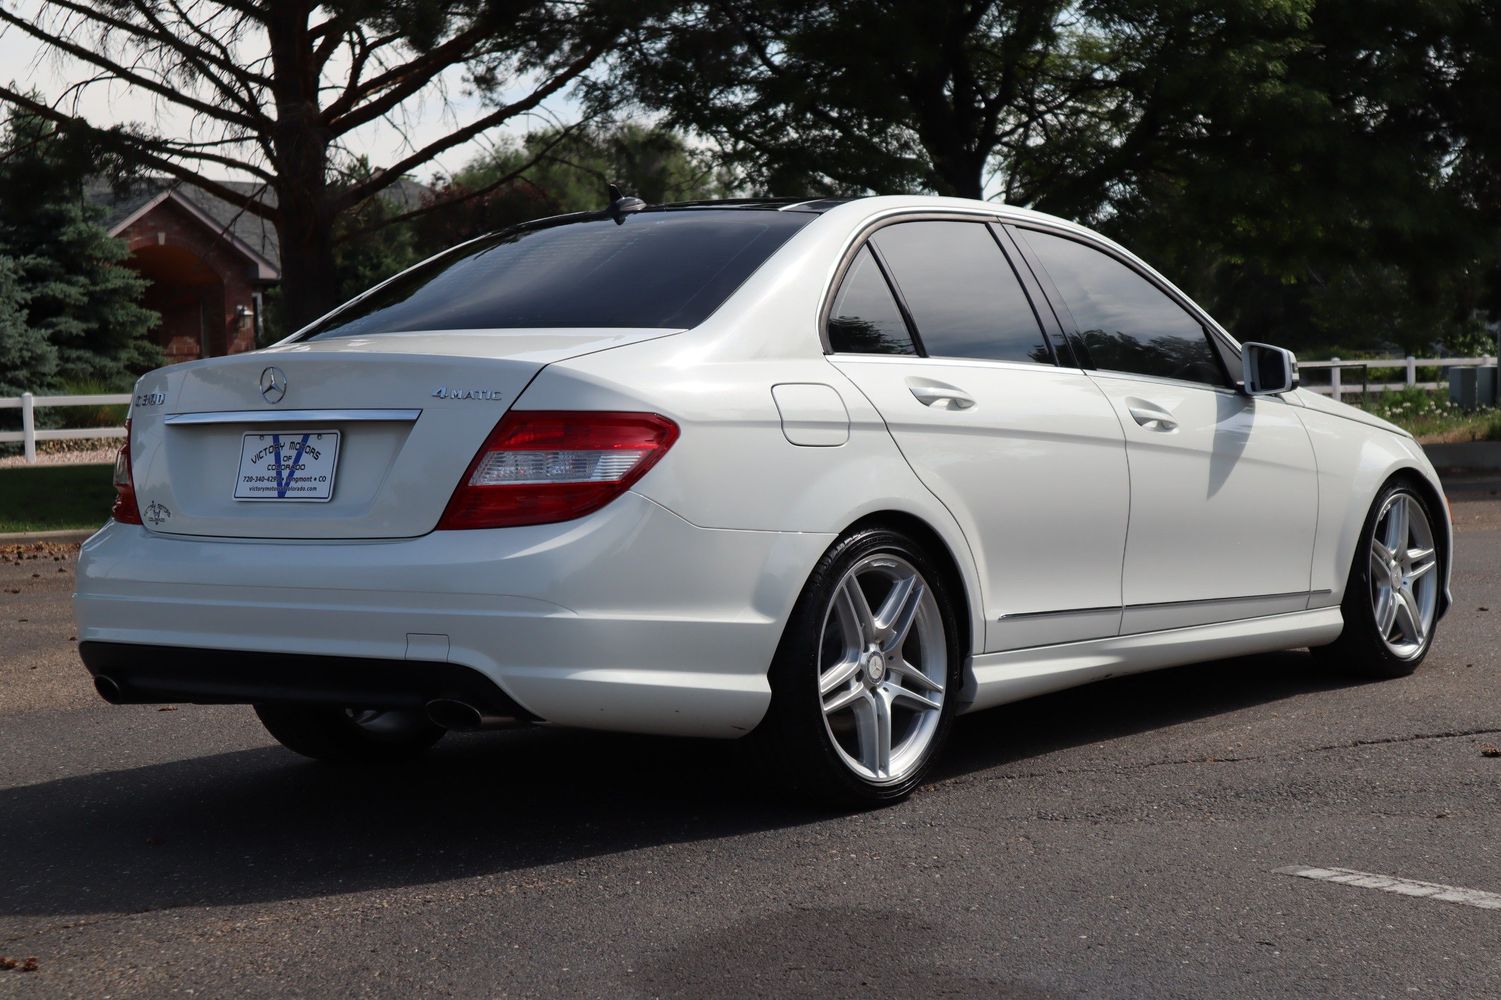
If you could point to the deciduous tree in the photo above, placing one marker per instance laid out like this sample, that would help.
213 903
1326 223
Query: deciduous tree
274 88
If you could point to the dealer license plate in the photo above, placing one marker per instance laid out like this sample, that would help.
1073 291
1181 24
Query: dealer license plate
288 465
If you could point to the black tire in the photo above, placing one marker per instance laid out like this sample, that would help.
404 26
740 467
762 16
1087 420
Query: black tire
339 736
1360 649
794 737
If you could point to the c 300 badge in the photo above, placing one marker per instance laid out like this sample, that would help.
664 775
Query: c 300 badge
443 392
157 513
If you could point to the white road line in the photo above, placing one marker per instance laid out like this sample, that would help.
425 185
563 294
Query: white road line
1405 886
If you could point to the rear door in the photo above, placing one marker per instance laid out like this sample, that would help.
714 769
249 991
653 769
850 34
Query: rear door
932 322
1224 494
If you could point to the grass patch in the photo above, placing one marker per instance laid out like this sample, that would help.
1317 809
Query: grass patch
1432 419
55 497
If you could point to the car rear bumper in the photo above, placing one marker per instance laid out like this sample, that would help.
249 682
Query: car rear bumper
630 619
128 673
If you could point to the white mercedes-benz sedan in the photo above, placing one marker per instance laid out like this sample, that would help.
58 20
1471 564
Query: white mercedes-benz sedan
826 474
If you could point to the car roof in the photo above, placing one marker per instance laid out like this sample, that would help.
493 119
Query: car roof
865 206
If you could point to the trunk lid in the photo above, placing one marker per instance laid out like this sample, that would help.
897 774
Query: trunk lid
392 422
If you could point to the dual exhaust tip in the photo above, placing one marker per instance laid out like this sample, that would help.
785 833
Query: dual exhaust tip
462 717
450 713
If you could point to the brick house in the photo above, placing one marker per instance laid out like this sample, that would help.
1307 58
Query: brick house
209 263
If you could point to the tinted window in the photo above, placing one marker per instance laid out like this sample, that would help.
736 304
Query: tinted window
1127 323
964 298
865 318
658 269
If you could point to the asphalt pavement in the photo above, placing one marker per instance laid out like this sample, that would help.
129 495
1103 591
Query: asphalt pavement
1120 840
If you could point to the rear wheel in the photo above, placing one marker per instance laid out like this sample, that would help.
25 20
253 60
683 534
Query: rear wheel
1391 599
864 682
349 735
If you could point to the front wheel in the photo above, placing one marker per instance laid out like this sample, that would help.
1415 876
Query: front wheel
1391 599
865 680
349 735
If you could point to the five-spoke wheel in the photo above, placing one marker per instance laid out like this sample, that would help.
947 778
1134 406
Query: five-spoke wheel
1392 597
863 685
882 667
1404 577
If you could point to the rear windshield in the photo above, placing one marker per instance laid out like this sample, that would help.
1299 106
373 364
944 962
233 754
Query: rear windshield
658 269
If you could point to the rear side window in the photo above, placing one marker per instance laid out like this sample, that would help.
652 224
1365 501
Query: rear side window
1127 323
656 270
965 299
865 318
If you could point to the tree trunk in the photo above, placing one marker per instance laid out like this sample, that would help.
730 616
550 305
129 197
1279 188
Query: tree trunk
957 170
309 287
304 209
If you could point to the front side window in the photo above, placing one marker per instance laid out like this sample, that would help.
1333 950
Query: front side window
1126 322
865 318
659 269
965 299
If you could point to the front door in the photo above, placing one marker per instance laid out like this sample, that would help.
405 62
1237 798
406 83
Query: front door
1224 491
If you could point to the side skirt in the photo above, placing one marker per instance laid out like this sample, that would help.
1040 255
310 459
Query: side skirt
998 678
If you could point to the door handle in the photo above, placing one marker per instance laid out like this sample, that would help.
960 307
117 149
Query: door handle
1148 414
940 396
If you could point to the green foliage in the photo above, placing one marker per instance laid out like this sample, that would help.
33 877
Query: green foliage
554 171
1430 416
368 248
80 297
107 415
1313 171
1323 202
28 361
569 169
854 95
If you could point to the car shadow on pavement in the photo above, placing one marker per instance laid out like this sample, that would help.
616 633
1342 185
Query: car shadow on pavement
262 825
1098 713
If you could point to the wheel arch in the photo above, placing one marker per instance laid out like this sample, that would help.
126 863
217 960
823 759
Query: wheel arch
1414 477
1355 462
941 552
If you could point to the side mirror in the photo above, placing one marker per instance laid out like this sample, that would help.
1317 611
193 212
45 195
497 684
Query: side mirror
1267 370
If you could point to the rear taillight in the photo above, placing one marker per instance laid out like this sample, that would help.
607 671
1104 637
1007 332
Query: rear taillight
542 466
125 510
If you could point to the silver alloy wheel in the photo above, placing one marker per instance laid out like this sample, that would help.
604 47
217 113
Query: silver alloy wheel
882 672
1404 576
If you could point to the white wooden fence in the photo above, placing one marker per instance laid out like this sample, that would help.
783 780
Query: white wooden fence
1409 364
28 435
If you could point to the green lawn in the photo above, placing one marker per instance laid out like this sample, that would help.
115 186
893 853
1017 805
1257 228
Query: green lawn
53 497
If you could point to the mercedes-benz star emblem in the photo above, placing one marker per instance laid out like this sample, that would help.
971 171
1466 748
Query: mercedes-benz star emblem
273 385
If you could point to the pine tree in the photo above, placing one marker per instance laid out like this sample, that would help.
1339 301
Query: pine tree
28 361
80 295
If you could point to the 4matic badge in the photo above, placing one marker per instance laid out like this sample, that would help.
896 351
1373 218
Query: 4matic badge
443 392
